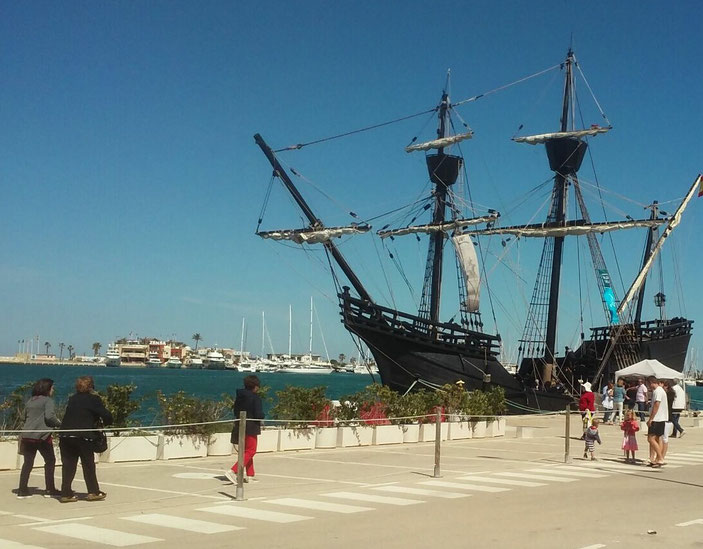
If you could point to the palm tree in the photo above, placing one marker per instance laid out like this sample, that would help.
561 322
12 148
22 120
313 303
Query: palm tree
70 352
47 345
342 358
197 338
96 348
61 346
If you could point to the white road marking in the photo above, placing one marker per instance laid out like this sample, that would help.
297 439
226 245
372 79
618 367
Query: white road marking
9 544
420 492
464 486
681 461
35 519
596 546
319 505
97 535
692 457
690 522
180 523
567 471
52 521
494 480
235 510
372 498
197 476
335 481
537 477
618 466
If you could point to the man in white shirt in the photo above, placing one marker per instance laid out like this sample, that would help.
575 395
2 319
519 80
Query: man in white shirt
678 406
658 416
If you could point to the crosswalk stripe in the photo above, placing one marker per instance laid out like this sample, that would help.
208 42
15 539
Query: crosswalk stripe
234 510
9 544
617 466
96 535
372 498
464 486
319 505
691 456
567 471
682 461
537 477
476 478
180 523
419 492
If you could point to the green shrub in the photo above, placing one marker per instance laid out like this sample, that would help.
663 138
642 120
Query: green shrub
300 405
181 408
496 401
12 408
118 400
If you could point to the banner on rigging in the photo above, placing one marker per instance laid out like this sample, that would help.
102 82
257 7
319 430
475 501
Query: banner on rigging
609 296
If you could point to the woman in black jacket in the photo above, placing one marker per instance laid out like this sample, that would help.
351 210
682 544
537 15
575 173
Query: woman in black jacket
84 410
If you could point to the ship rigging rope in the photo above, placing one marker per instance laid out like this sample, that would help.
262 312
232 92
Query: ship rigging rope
500 88
578 66
360 130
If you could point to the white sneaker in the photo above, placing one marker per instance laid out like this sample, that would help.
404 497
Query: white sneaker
252 479
231 475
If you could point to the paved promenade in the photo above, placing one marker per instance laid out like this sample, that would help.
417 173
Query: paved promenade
501 492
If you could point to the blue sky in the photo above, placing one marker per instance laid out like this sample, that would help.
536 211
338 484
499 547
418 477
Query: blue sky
132 185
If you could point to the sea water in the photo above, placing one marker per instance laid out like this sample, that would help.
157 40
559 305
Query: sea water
205 384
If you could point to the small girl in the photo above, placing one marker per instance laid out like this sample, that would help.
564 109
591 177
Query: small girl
591 436
629 440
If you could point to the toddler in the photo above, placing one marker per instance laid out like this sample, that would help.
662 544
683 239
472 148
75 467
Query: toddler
591 436
629 440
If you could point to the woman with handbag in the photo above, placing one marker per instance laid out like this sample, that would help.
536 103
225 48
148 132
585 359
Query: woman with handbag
39 419
85 410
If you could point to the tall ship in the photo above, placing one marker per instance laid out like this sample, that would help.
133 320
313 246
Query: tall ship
420 349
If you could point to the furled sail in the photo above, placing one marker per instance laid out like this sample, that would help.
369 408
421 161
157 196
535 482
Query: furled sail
466 253
314 236
437 227
544 137
572 228
439 143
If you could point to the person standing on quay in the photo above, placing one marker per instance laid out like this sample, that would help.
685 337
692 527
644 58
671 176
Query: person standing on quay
641 398
587 407
39 418
84 411
618 399
658 416
247 400
677 407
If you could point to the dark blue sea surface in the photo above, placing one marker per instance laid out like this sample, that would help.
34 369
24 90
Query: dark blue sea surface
206 384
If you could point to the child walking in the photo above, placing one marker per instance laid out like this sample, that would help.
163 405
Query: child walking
591 436
629 439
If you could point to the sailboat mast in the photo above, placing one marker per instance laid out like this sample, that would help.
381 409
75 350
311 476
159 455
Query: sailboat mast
310 350
438 217
647 252
263 333
559 212
314 221
290 328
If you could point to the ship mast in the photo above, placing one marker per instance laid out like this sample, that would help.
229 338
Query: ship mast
647 253
559 211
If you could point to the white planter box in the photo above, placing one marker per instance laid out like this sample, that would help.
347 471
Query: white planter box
181 446
9 458
495 427
219 445
297 439
268 441
459 430
388 434
326 437
361 435
411 432
428 432
131 448
478 429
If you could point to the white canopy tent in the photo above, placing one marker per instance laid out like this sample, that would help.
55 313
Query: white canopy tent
649 368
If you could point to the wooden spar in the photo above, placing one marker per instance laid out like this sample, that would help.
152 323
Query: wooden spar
314 221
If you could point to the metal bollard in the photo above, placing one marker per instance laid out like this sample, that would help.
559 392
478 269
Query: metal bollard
567 434
240 456
437 443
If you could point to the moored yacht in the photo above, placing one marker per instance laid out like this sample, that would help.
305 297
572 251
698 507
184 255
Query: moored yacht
112 357
214 360
174 362
154 361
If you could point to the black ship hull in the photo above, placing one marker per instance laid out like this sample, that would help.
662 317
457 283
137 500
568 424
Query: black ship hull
410 357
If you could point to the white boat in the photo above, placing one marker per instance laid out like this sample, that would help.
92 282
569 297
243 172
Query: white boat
214 360
174 362
306 364
112 357
193 363
153 361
